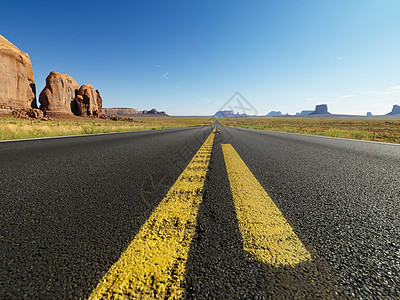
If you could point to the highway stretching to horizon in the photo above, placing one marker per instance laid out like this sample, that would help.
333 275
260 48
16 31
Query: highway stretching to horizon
202 212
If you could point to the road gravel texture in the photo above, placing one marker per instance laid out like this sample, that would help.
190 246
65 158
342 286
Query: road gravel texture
71 206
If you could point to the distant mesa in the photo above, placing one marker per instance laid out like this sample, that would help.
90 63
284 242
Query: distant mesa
395 110
321 109
132 112
224 113
154 112
306 112
120 111
228 114
369 114
17 85
274 113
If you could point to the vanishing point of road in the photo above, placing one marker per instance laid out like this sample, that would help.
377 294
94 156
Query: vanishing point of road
204 212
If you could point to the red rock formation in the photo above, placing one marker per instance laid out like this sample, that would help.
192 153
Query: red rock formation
58 97
99 103
17 85
88 101
131 112
120 111
35 113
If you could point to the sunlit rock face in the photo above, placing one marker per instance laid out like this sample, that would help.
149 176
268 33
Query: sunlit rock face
88 101
58 96
17 85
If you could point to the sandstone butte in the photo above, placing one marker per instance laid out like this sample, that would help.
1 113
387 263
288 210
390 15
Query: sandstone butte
58 96
62 96
17 85
88 102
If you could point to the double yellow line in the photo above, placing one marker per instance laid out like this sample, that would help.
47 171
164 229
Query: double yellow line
266 233
153 265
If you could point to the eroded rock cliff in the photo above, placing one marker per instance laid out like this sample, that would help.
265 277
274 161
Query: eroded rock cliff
88 101
58 96
17 84
121 111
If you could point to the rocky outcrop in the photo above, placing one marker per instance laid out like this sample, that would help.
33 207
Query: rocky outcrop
274 113
58 96
306 112
395 110
153 112
88 102
228 114
121 111
132 111
321 109
17 85
62 96
33 113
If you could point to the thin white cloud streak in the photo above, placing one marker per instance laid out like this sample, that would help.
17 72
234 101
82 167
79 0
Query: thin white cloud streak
392 90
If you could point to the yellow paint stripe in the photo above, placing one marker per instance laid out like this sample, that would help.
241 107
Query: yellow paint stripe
153 265
266 233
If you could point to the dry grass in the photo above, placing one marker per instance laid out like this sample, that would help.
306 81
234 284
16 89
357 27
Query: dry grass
382 130
12 128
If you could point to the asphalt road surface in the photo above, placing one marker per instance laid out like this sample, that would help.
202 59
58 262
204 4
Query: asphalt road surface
70 208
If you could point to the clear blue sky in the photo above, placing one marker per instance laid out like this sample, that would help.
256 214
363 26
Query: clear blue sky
188 57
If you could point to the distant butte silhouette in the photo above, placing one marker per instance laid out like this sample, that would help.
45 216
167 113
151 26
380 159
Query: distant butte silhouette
395 110
321 109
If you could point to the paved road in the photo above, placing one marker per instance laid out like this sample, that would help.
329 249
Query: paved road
70 207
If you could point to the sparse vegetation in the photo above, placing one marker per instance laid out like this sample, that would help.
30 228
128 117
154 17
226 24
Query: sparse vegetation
381 130
12 128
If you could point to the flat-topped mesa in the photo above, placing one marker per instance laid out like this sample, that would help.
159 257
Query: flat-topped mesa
321 109
274 113
120 111
17 85
153 111
88 102
58 96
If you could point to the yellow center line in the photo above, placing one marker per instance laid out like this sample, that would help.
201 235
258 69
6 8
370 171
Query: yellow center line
153 265
266 233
